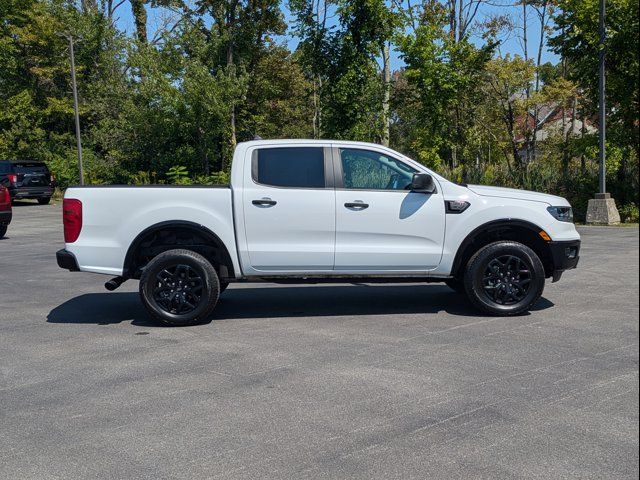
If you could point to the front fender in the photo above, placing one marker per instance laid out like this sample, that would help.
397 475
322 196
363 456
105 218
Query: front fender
483 211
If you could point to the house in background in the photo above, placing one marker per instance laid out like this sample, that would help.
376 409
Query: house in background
554 121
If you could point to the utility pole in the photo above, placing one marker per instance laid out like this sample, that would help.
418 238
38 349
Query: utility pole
602 209
69 37
601 98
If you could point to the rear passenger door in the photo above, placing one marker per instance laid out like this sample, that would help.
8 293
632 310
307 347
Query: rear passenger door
289 209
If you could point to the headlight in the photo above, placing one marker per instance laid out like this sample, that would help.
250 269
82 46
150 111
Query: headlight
564 214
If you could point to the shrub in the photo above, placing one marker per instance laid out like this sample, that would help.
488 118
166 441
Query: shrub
178 175
629 213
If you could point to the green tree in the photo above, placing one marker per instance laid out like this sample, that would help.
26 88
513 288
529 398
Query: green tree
36 109
351 93
445 73
243 28
507 81
279 103
577 40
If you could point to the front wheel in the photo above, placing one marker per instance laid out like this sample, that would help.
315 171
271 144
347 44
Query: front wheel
504 278
3 230
179 288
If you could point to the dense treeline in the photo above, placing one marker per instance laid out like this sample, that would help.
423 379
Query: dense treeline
169 103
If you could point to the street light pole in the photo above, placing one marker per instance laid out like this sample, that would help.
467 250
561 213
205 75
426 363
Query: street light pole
601 98
602 210
75 107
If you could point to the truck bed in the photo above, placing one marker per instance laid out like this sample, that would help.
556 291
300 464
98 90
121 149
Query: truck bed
113 216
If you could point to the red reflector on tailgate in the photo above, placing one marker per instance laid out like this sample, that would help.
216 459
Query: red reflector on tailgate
71 219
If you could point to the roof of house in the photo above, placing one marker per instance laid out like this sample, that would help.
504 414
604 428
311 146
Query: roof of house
552 120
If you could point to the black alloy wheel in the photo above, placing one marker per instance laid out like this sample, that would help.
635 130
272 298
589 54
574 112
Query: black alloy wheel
179 287
507 279
504 278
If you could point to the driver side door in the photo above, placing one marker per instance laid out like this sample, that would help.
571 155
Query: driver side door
381 226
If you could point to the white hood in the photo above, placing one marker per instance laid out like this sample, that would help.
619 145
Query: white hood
500 192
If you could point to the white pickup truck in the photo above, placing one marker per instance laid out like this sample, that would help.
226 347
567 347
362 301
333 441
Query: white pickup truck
318 211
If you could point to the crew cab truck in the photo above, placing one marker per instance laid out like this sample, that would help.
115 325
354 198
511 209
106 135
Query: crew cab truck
318 211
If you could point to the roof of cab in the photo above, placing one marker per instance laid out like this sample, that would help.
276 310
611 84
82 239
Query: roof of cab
297 141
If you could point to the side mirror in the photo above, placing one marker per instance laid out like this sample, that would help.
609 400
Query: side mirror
423 183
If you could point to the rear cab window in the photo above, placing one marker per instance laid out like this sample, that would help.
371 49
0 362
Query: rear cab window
289 167
31 167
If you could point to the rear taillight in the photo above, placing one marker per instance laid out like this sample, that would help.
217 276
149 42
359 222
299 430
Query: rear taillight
5 198
13 178
72 219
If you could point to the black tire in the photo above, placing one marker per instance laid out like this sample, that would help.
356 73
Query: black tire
455 284
44 200
504 278
179 288
3 230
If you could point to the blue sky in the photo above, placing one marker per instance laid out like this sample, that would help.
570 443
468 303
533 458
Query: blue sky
511 42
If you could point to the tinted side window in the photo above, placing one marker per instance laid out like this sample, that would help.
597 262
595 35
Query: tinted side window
290 167
370 170
5 167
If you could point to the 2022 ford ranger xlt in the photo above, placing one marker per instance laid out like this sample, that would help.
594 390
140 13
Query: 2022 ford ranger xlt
319 211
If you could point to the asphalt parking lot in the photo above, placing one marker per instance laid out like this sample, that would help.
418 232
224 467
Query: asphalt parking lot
296 382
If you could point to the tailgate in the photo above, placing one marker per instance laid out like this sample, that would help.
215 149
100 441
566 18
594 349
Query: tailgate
32 175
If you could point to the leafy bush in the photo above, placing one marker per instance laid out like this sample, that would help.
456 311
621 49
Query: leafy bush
178 175
216 178
143 178
629 213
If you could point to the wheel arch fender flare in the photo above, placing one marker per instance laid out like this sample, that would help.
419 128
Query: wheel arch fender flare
174 224
493 226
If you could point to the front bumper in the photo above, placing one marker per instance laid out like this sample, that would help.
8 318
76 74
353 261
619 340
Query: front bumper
67 260
565 256
5 218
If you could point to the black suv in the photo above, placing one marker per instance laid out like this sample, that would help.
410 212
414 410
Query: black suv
27 179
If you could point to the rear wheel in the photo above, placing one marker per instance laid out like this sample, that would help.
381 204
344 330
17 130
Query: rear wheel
504 278
44 200
3 230
179 288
